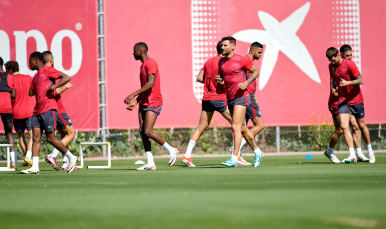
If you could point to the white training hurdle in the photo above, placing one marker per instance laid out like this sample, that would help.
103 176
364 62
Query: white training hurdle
95 143
8 168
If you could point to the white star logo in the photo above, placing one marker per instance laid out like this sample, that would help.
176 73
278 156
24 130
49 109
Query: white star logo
281 37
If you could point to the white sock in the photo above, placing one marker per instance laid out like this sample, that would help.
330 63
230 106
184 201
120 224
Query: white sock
190 148
352 152
243 142
35 163
54 153
29 154
66 162
12 154
359 152
234 157
330 151
149 156
69 155
258 151
169 148
369 149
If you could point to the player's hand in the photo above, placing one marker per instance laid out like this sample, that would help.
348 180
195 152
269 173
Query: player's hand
218 79
334 92
51 89
243 86
129 99
69 85
343 82
132 105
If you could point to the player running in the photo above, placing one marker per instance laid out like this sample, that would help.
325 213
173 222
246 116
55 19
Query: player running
45 111
150 105
64 124
348 79
214 100
6 94
253 111
22 107
232 69
346 53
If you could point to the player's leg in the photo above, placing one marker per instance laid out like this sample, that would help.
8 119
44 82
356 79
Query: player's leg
36 134
344 123
359 114
205 118
356 135
20 125
150 165
8 129
48 120
329 153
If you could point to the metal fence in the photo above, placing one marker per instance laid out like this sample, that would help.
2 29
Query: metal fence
217 140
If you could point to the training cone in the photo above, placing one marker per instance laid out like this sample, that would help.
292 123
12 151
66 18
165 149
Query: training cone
309 157
139 162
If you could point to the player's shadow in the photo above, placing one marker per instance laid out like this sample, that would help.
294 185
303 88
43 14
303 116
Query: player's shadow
314 162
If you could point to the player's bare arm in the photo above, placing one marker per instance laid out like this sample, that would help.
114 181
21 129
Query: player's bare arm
357 81
13 94
31 92
148 85
254 76
64 79
201 77
334 90
60 90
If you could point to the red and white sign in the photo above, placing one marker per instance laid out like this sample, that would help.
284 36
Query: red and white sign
69 30
294 84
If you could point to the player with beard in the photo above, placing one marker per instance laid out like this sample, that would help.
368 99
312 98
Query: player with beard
64 124
348 78
150 105
233 69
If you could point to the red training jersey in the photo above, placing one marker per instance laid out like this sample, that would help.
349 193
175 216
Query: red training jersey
347 70
23 104
252 86
151 97
333 101
42 81
234 70
212 90
5 97
59 102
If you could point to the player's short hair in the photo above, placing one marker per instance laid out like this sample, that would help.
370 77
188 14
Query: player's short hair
37 55
232 40
256 45
47 56
345 48
1 62
12 65
142 45
219 47
332 51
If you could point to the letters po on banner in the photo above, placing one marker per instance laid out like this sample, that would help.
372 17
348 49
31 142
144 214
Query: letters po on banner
67 29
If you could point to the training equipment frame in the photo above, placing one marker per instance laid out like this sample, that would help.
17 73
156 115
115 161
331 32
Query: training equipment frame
96 143
8 168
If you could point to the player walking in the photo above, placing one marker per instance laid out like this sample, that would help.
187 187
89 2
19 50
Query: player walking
348 79
6 94
232 69
22 108
346 53
253 111
45 112
64 124
150 105
214 100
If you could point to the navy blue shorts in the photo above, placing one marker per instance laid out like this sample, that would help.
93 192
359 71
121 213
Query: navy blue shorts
45 121
243 101
357 110
214 105
156 110
6 118
22 124
253 109
63 121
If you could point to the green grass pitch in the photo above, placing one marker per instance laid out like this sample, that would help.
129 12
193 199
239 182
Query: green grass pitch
281 193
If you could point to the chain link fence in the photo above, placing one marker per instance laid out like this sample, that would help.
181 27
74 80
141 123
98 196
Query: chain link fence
216 140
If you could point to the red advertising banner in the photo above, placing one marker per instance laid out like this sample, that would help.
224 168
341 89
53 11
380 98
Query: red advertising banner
293 87
69 30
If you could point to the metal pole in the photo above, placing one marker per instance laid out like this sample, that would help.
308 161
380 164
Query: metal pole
278 139
101 60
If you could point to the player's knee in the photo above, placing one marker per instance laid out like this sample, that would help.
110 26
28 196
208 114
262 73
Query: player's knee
362 126
35 138
339 131
236 127
148 133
